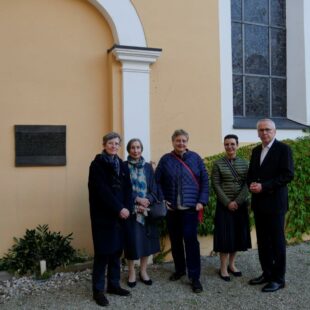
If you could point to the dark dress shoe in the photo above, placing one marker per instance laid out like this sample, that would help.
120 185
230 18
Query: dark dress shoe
146 282
118 291
259 280
196 286
272 287
100 299
131 284
176 276
225 278
234 273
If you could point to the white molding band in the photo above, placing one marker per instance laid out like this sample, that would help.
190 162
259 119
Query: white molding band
136 93
298 84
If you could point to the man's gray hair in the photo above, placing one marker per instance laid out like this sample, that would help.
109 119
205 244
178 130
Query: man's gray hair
109 136
266 120
179 132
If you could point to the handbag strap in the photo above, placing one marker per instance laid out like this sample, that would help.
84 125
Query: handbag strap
233 170
188 168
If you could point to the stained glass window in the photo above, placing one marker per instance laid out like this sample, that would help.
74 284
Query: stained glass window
259 58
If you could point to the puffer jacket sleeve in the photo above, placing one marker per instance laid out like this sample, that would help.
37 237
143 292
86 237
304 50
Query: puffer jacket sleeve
203 183
158 178
216 182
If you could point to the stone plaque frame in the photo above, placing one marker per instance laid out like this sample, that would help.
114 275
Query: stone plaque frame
40 145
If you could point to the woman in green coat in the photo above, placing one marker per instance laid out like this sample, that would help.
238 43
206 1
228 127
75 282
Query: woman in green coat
231 224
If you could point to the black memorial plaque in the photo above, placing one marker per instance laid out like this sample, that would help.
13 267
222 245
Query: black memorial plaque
40 145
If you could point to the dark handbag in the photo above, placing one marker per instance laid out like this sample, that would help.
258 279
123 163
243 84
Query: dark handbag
157 210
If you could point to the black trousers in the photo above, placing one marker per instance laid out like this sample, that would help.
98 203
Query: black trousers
271 245
101 261
182 229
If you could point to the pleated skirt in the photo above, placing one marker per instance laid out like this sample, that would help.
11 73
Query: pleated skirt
231 229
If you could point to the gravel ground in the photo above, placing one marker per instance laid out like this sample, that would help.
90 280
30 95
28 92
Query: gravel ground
73 290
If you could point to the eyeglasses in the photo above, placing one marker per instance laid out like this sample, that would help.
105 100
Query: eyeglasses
265 129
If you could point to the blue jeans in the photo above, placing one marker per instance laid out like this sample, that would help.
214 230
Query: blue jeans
182 229
99 268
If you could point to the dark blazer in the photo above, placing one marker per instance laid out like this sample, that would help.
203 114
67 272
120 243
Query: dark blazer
276 171
109 193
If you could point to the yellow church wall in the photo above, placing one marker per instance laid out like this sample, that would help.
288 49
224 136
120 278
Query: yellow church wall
53 71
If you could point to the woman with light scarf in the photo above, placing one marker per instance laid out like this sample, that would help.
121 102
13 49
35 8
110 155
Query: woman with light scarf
143 237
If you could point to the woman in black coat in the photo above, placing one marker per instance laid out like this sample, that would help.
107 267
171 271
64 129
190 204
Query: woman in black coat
110 199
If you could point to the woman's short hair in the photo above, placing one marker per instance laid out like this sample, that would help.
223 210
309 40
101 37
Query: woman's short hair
131 141
109 136
231 136
179 132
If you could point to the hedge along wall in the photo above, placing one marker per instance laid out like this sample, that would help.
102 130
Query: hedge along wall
298 215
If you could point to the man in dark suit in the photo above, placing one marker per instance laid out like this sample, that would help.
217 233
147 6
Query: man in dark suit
271 169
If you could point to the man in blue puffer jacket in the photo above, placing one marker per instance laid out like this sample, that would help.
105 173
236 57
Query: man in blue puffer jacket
183 180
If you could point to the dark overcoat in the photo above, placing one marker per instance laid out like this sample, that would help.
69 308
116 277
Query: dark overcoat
275 172
109 193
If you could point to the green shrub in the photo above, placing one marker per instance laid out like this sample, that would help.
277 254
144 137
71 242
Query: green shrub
38 244
298 215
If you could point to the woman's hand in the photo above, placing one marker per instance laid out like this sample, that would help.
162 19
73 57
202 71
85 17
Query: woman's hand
141 209
232 206
199 206
144 202
124 213
168 205
255 188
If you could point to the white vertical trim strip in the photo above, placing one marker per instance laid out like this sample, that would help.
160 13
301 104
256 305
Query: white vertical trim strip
226 67
307 58
296 61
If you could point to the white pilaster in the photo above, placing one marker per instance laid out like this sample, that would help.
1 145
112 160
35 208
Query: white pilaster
298 60
136 92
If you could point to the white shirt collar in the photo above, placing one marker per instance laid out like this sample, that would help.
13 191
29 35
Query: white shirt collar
269 145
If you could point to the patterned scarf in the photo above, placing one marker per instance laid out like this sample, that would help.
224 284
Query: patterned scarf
138 181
